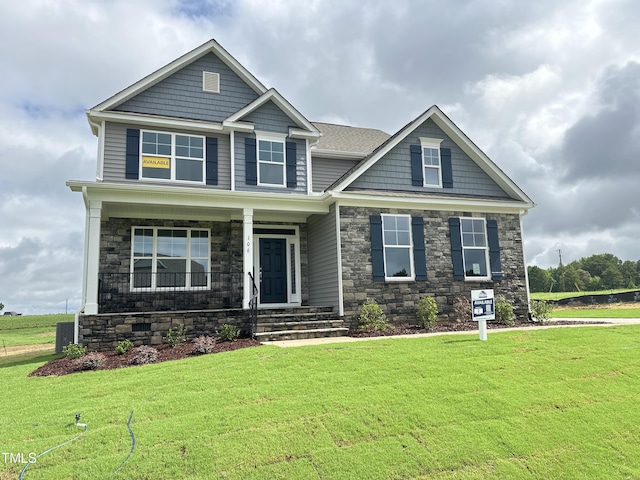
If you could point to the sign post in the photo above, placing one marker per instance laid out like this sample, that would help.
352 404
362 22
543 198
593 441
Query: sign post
482 309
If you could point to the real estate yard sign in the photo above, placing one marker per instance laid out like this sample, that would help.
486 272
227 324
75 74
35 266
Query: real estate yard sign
482 309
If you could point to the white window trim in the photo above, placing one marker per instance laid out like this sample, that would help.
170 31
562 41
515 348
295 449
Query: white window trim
485 248
172 159
412 277
435 144
293 299
272 137
154 258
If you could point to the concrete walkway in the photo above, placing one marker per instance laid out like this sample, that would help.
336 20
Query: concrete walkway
583 322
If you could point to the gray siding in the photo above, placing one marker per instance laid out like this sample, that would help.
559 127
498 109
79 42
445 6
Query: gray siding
269 118
241 184
325 171
181 95
323 260
393 171
115 146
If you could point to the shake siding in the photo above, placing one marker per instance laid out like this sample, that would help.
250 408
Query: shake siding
115 156
269 118
323 260
328 170
181 95
393 171
301 161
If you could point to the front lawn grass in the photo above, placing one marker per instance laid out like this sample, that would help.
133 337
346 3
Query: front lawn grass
558 403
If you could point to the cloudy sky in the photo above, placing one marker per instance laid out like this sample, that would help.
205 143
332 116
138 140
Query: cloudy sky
550 90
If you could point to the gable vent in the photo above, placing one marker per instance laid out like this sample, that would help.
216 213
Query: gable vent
211 82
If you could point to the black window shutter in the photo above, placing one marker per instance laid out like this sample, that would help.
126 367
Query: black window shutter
377 250
419 252
456 248
132 165
447 173
251 166
212 161
416 165
292 176
494 250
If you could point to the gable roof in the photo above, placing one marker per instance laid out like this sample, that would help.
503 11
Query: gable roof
455 134
343 140
274 96
209 47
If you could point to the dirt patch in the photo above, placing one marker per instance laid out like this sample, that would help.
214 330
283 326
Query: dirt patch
64 366
28 348
46 334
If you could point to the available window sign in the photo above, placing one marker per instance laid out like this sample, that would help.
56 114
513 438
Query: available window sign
476 269
155 162
482 305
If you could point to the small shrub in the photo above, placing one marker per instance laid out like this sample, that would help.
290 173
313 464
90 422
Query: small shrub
73 351
427 312
504 311
203 344
124 346
229 333
540 310
143 355
462 308
92 361
175 335
372 317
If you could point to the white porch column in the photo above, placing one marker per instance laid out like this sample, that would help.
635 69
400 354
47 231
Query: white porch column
92 265
247 255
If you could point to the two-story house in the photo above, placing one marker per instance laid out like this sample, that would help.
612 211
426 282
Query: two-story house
212 191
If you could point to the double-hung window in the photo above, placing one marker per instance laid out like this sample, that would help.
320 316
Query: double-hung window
398 247
431 163
271 160
170 258
475 250
169 156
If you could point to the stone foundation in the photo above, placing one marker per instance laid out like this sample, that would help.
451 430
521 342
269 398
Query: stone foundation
399 299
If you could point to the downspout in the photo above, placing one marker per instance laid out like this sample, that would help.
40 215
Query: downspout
524 259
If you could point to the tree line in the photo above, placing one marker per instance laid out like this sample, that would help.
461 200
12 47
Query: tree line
597 272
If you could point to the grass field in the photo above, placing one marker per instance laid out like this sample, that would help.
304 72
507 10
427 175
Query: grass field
559 403
29 329
563 295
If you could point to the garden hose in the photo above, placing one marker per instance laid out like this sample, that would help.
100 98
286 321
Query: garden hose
133 445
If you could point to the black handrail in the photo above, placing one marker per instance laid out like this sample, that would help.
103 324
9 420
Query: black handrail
253 306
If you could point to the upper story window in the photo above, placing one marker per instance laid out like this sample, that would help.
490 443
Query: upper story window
475 250
398 247
271 160
169 156
431 163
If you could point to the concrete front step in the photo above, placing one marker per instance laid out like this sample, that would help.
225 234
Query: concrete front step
294 324
300 334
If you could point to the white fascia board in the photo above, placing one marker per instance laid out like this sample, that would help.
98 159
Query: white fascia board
303 134
273 95
170 123
435 203
317 152
209 47
145 194
237 126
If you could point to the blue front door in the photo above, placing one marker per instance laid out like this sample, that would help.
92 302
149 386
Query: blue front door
273 268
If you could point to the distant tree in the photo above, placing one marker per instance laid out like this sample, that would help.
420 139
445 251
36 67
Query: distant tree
597 264
1 306
629 273
539 279
612 278
585 278
572 280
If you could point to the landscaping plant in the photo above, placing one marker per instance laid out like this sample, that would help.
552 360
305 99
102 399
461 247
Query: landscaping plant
124 346
228 333
92 361
175 335
372 317
462 308
427 312
540 310
73 351
203 344
504 311
143 355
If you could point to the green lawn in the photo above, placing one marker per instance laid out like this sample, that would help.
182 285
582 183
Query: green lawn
595 312
29 329
558 403
563 295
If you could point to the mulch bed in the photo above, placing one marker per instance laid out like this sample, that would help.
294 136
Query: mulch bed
64 366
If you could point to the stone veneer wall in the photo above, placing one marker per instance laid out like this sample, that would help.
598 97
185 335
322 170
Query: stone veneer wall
104 331
399 299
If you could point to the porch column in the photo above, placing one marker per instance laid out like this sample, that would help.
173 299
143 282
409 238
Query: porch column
94 211
247 255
